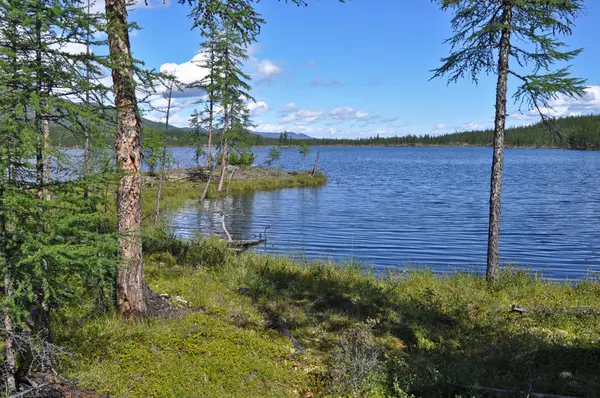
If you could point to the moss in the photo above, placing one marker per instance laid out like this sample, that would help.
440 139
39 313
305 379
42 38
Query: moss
195 355
440 332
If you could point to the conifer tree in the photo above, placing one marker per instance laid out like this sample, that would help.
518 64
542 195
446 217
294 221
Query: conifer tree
517 38
233 93
51 244
209 84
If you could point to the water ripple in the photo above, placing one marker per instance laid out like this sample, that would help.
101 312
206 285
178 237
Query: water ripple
390 207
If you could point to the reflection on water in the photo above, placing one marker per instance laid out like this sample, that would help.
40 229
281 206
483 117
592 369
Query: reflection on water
424 207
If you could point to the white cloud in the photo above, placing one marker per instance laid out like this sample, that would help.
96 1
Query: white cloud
302 116
187 72
562 106
347 114
257 108
265 70
440 126
311 64
269 128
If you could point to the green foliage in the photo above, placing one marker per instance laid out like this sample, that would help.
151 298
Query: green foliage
532 29
151 149
273 156
245 158
206 252
304 151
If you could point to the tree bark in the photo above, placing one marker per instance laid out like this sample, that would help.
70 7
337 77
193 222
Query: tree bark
314 169
163 156
131 284
86 133
224 158
498 158
47 157
223 167
9 354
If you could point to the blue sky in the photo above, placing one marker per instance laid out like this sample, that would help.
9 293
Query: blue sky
355 69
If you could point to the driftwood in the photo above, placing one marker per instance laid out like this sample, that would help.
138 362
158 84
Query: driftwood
245 242
521 393
225 228
29 391
278 324
577 311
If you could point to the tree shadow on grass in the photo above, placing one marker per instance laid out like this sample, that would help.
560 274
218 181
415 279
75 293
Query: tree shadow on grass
447 352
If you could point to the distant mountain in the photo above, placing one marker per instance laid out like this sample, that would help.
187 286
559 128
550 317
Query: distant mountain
294 136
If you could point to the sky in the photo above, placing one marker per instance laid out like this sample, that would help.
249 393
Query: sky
354 69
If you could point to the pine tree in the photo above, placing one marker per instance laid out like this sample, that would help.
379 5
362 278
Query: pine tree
488 35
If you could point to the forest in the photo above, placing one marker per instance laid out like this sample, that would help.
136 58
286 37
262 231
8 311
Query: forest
98 298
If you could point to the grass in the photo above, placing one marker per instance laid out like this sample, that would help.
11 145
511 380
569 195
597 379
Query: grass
176 193
433 335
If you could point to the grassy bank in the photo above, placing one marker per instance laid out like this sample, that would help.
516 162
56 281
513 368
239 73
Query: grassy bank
407 333
176 193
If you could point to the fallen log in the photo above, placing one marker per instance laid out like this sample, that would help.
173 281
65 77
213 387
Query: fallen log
245 242
576 311
502 391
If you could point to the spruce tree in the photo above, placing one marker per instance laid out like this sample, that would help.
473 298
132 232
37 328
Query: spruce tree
518 38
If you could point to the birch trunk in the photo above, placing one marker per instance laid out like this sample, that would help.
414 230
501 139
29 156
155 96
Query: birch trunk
498 158
131 284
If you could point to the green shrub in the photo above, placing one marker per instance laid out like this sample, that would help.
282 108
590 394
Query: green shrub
159 239
355 361
241 159
206 252
162 259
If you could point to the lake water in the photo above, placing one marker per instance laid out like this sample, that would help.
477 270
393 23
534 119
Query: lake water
390 207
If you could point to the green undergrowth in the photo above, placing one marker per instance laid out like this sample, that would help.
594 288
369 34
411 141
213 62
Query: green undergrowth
175 194
405 333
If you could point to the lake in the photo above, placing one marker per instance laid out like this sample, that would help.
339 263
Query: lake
424 206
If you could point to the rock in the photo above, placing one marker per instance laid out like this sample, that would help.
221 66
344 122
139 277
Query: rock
181 301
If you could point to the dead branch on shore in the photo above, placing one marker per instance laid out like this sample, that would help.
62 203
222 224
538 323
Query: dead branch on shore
576 311
502 391
314 169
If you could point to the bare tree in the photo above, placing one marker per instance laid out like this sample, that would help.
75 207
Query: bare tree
131 284
168 95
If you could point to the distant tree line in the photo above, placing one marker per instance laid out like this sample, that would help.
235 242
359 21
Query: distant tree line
579 132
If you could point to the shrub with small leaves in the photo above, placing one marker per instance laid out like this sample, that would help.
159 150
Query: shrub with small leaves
207 252
355 361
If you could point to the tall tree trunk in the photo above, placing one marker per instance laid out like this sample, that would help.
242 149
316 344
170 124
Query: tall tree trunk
86 133
223 167
224 157
9 354
47 157
131 284
43 128
315 167
498 158
163 156
210 131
